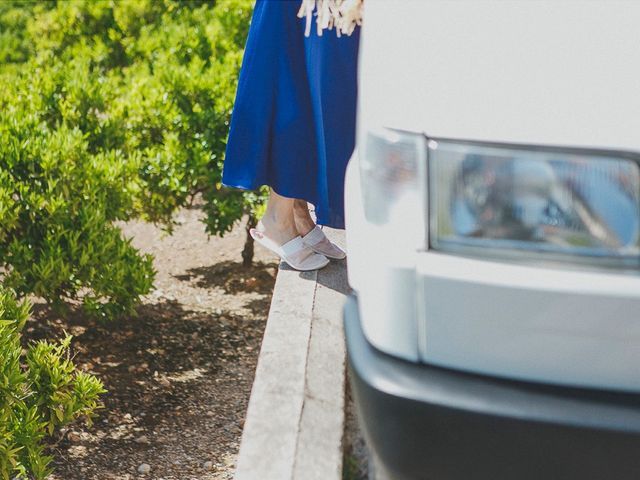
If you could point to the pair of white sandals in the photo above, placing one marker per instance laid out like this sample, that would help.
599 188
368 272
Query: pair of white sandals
309 252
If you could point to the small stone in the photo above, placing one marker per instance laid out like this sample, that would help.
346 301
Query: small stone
207 465
73 437
142 439
144 468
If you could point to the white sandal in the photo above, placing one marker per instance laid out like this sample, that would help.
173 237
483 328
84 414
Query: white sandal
319 243
298 255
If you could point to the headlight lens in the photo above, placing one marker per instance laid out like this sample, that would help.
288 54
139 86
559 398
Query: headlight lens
393 179
577 205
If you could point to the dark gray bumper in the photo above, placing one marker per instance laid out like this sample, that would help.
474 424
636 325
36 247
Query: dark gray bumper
424 422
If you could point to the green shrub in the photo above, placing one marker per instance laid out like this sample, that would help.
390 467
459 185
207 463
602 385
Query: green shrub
154 79
39 392
57 237
111 111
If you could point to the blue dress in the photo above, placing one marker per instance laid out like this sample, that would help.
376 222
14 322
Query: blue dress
293 122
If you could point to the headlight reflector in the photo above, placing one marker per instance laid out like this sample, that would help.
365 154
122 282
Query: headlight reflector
560 203
393 178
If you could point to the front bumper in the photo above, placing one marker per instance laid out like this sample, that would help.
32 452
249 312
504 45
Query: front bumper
425 422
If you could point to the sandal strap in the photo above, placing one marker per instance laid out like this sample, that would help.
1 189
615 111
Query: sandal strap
315 236
293 246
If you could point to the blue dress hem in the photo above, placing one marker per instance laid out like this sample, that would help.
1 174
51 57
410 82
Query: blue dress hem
331 219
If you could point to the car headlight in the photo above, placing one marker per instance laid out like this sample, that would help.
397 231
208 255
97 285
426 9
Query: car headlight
393 179
560 204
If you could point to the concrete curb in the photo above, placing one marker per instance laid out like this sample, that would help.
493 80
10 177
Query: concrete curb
295 418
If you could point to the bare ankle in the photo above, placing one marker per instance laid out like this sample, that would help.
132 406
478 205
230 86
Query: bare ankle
280 230
303 221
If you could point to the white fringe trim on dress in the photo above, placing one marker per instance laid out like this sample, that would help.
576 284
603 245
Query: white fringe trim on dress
342 14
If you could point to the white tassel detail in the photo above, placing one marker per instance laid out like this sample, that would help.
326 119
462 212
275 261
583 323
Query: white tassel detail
342 14
306 10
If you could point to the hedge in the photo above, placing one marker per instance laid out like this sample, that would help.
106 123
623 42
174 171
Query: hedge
113 110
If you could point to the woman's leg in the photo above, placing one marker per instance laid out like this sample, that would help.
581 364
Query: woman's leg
278 222
302 218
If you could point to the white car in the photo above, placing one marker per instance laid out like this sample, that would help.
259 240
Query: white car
493 230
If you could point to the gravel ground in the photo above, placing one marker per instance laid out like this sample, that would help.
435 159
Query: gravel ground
179 374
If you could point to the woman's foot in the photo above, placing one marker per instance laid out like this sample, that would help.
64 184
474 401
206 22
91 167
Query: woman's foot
277 231
295 252
319 243
312 235
277 223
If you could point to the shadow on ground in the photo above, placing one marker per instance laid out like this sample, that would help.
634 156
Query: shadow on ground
233 277
178 380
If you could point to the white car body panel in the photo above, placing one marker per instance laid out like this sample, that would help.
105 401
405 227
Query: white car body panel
544 72
383 275
547 325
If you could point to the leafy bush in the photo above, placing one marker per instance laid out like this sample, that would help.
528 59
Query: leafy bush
38 396
111 111
57 233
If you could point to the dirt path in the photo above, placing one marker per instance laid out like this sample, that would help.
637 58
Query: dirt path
179 375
